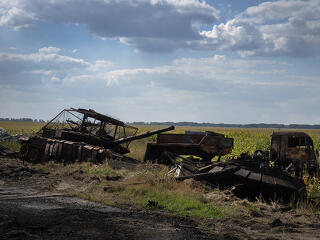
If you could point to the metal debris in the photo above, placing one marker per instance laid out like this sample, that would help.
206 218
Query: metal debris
77 135
294 151
5 136
202 144
247 176
266 174
6 152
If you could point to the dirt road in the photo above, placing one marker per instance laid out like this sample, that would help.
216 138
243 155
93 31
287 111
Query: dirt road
31 213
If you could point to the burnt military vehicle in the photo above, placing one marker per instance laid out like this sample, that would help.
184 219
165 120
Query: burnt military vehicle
294 151
81 135
205 145
266 174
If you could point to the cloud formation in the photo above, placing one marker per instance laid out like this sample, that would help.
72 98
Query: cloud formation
277 28
203 74
231 89
141 23
280 28
47 65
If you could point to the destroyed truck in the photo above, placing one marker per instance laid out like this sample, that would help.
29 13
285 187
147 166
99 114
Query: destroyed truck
294 151
81 135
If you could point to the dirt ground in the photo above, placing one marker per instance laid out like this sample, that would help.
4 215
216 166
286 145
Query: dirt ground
33 205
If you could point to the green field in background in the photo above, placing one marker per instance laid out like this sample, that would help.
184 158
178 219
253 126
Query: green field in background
245 140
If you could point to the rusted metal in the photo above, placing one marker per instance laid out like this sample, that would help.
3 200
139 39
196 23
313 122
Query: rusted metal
247 176
81 135
294 149
262 173
142 135
202 144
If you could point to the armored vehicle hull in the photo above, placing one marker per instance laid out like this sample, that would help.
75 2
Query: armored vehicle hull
81 135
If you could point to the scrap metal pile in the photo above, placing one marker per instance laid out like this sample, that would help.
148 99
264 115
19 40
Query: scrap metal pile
247 176
263 174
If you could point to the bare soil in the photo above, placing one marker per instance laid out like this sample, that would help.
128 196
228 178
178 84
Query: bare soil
31 207
34 205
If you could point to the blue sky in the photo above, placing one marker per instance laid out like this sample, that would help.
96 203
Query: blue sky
214 61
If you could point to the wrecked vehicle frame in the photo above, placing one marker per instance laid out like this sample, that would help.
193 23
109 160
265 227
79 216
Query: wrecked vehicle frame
82 135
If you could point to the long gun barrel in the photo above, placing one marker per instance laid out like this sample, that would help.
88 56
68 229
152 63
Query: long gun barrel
142 135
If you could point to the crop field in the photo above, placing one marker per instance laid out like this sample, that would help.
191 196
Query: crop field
27 128
245 140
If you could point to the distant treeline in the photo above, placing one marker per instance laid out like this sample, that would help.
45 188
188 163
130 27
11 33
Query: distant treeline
22 120
224 125
194 124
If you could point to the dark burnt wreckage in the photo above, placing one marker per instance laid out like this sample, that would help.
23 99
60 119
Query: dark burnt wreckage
81 135
265 173
205 145
294 152
78 135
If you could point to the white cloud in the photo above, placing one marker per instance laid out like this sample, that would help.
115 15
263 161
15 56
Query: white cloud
55 79
280 28
231 90
99 65
46 50
138 22
44 60
45 55
277 28
46 65
203 74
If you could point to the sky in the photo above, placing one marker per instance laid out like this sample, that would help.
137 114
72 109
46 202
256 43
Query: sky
218 61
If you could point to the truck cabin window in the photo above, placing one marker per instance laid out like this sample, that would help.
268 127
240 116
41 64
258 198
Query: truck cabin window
297 142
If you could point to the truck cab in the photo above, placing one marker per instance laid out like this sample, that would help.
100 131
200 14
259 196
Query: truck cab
294 149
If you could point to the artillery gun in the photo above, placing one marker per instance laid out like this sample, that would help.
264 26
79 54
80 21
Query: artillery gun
81 135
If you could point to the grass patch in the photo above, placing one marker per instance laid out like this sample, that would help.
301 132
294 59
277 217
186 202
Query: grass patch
313 190
13 146
96 170
179 204
157 191
86 169
140 188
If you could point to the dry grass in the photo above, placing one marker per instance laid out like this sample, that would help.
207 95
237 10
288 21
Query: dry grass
155 190
146 188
